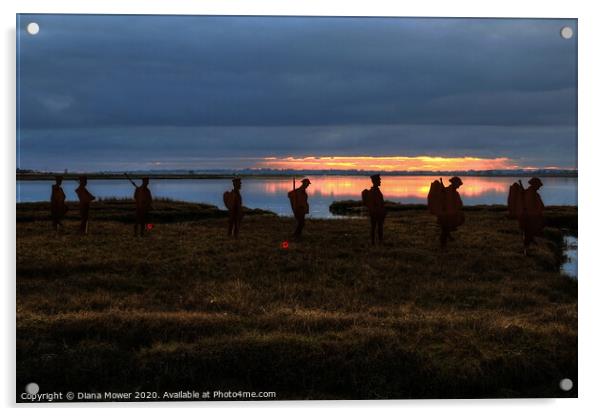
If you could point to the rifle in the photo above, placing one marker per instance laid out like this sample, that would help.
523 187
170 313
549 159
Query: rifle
130 179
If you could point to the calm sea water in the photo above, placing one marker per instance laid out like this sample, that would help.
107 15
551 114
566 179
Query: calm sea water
270 193
570 265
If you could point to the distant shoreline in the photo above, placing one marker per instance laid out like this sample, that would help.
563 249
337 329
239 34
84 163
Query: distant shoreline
117 176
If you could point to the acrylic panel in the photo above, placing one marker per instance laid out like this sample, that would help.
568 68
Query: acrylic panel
287 207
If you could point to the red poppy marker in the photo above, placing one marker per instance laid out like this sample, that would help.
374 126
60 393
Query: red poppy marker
284 245
149 227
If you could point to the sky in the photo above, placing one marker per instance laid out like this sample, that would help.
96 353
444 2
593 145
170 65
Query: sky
207 92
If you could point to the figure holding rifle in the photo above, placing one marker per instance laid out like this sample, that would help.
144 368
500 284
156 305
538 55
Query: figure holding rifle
233 201
144 201
299 204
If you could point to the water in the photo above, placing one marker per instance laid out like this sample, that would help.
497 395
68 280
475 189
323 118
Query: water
270 193
570 265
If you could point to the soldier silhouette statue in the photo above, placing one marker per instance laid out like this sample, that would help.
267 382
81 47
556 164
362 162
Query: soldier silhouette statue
373 199
300 205
58 208
527 207
85 198
144 202
233 201
445 203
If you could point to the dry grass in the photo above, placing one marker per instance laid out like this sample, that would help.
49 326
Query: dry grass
331 317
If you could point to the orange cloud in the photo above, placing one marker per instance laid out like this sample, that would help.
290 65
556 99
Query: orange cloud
387 163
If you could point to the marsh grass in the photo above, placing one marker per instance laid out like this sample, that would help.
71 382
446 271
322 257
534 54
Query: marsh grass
185 307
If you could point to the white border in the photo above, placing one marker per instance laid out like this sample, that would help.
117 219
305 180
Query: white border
590 70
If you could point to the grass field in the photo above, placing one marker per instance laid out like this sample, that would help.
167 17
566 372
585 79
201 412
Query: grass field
187 308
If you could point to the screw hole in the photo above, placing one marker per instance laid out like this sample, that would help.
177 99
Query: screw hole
33 28
566 32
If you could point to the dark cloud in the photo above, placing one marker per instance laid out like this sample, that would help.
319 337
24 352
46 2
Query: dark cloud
157 85
200 147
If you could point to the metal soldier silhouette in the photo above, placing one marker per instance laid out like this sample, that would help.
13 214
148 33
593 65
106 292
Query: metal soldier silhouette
300 205
58 208
144 202
85 198
373 199
446 204
527 206
233 201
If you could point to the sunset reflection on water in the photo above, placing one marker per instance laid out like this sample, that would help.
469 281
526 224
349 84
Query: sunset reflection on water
271 192
393 187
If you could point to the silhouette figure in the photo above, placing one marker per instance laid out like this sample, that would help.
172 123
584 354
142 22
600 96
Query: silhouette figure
233 201
531 217
85 198
299 204
516 200
144 201
58 208
446 204
373 199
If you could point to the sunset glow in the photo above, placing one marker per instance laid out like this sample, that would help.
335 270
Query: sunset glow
388 163
393 187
